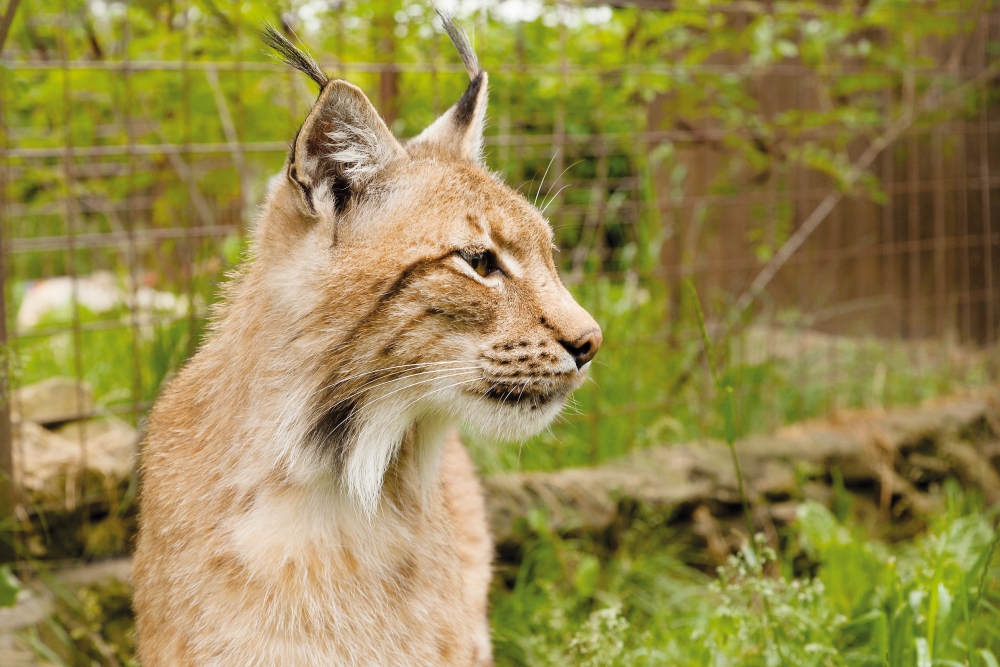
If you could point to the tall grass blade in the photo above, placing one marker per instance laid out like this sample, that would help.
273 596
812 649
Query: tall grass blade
728 419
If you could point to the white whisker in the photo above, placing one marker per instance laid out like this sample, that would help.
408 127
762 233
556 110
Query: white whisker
367 388
382 370
425 395
409 386
556 195
551 160
563 173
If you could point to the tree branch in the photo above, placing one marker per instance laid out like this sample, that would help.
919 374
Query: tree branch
930 103
8 18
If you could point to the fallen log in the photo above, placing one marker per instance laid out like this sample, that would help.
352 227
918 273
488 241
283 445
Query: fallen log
893 464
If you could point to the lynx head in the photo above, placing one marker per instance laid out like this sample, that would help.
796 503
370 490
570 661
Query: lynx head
416 289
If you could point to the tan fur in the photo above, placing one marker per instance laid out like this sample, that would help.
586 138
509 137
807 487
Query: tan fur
302 500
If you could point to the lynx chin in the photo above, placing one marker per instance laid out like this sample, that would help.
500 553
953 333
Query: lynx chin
305 498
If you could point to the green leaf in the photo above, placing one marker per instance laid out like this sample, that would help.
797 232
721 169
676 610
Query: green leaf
967 541
585 577
9 586
818 528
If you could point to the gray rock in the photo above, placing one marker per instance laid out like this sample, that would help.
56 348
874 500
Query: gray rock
52 401
45 461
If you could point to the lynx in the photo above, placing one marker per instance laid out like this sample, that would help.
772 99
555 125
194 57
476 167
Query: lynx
305 499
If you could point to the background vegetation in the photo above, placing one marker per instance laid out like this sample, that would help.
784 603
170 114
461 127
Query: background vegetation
177 119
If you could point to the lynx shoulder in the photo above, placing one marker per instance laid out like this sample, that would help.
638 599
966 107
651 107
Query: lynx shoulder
304 498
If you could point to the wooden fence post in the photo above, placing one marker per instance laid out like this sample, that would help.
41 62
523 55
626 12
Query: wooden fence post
7 551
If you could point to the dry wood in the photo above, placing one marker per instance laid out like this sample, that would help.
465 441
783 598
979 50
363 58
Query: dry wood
894 463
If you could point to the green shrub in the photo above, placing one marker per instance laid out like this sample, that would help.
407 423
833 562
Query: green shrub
850 600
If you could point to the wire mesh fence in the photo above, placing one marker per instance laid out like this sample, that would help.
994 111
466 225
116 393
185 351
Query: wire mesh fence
824 174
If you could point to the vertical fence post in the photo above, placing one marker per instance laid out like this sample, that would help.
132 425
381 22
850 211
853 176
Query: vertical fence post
989 319
7 551
388 75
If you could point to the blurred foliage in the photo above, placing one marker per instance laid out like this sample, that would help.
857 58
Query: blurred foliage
586 107
834 597
90 625
9 586
106 356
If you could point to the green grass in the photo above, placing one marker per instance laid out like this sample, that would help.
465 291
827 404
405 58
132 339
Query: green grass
832 597
124 366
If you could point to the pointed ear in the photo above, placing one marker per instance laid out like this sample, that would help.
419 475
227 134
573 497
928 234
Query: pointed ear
459 130
340 149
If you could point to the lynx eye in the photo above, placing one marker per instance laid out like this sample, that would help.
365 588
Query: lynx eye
482 262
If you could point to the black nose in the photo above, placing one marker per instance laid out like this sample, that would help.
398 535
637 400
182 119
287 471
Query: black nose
585 347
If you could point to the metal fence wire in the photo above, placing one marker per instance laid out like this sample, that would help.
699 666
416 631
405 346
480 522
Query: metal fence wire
825 174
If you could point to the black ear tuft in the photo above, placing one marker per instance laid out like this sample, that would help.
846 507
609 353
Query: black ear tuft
458 132
290 54
461 42
465 108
